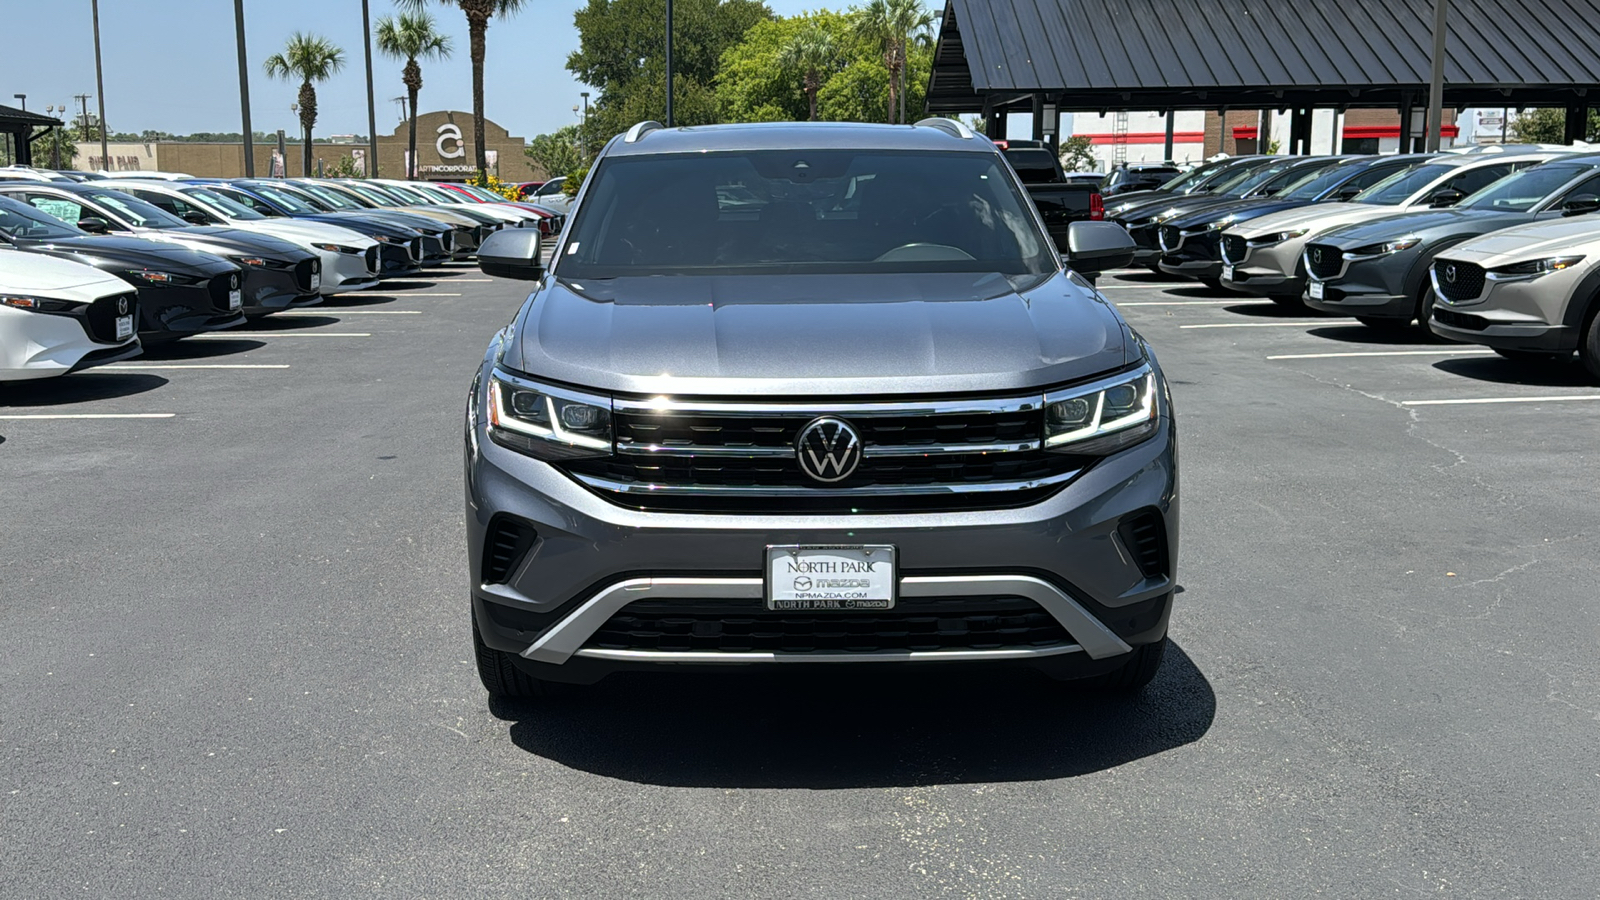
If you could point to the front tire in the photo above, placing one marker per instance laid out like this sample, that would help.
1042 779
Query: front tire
1589 344
500 675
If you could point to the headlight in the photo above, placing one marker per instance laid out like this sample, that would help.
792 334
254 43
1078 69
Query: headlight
546 422
1388 247
1278 238
249 260
1104 417
36 304
1166 216
1536 267
154 277
1218 225
382 238
335 248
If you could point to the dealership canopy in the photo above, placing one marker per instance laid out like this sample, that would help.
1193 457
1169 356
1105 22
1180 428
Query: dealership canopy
1101 55
19 125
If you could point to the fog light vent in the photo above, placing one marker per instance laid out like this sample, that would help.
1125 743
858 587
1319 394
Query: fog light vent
508 541
1145 535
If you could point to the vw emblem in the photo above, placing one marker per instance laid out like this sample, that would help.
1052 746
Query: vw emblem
1450 273
828 449
122 306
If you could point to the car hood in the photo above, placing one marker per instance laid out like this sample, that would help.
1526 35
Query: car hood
1430 225
1240 210
817 334
301 232
1317 217
227 242
1557 237
1181 204
136 252
364 225
34 273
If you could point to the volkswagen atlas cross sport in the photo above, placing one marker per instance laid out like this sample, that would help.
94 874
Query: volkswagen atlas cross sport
815 393
1530 293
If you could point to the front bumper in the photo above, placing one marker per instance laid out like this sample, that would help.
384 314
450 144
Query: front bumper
1193 256
1146 244
1273 270
270 289
1523 314
173 310
593 558
343 272
42 345
1375 286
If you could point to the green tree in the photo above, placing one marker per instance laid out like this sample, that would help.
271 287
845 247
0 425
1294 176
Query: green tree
753 84
1077 154
556 153
621 51
410 37
855 93
310 59
814 54
897 26
478 13
1548 125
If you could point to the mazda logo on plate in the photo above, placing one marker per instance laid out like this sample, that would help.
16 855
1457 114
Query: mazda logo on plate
828 449
122 306
1450 273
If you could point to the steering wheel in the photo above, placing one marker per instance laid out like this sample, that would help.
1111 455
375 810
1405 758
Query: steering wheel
922 251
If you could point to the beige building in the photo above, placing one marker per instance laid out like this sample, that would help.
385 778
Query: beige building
445 152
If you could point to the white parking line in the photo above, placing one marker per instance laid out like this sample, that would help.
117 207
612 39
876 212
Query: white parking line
1441 352
1243 301
1157 285
399 294
354 312
1570 397
1259 324
228 335
191 366
93 416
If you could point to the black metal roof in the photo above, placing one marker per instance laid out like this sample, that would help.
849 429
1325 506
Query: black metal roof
1207 54
11 116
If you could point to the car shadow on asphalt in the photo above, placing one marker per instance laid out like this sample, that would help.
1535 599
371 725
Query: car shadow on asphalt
348 301
80 387
858 729
1493 369
1355 333
393 288
1255 309
178 351
294 323
1148 278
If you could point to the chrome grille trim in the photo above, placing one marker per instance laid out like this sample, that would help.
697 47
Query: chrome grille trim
870 451
1029 403
882 451
873 490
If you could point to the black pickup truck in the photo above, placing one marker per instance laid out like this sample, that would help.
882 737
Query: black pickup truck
1060 201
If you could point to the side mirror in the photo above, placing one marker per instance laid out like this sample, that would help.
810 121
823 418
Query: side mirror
94 225
511 253
1445 197
1577 206
196 217
1094 247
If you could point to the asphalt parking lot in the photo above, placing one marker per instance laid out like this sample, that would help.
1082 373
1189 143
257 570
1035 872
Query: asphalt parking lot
233 639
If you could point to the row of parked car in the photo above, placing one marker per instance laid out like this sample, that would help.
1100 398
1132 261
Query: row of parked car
1497 249
91 267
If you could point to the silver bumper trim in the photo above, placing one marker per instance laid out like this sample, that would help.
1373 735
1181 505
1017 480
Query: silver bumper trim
614 486
567 637
664 656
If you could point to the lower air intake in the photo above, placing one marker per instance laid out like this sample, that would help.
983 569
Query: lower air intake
1145 536
508 541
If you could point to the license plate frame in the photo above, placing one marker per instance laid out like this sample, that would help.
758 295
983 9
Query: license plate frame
316 281
1316 290
1227 273
235 300
824 578
124 327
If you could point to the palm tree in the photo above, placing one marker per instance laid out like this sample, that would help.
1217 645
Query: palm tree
812 52
896 24
409 38
478 13
309 58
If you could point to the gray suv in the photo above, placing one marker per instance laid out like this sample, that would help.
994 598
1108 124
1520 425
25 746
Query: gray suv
815 393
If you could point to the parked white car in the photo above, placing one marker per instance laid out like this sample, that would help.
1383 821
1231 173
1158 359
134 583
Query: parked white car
349 258
58 316
503 211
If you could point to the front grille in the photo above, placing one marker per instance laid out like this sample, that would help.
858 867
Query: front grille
507 542
1145 537
372 259
1144 236
414 249
1459 281
1171 238
1234 248
915 624
219 287
940 460
1323 261
303 270
395 256
1459 320
100 317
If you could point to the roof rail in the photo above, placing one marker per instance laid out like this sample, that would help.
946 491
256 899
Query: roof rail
640 130
953 127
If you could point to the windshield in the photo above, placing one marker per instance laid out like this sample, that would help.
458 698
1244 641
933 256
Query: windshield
1246 179
1194 176
805 211
481 194
19 220
439 195
227 206
134 211
1397 188
1270 183
329 196
372 194
1522 191
1320 182
285 200
407 195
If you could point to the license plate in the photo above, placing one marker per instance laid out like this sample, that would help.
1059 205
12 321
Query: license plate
124 327
316 281
830 577
1316 290
235 299
1227 273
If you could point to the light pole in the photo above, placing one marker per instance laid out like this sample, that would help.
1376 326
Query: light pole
669 63
55 139
583 129
24 99
100 85
372 115
244 92
1436 87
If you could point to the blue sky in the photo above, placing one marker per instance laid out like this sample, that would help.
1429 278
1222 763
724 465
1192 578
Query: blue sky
170 65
